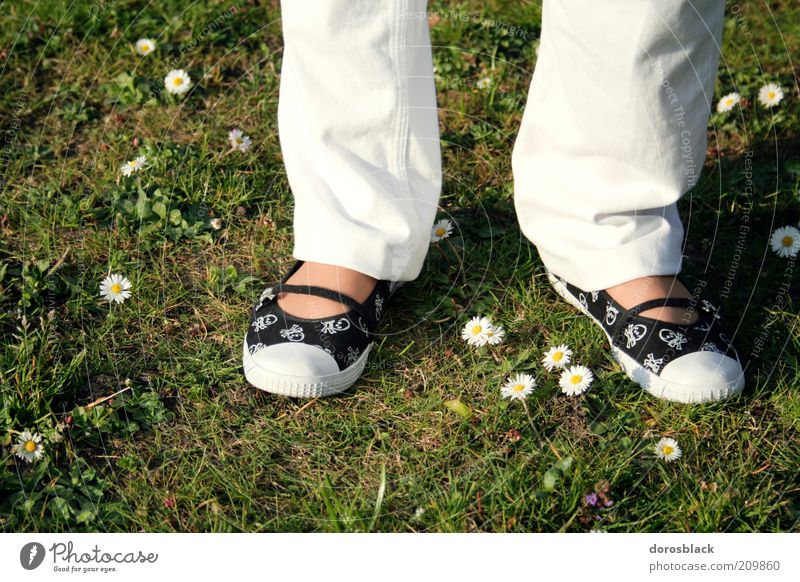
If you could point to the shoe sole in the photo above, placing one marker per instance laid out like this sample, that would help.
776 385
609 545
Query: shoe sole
302 386
651 383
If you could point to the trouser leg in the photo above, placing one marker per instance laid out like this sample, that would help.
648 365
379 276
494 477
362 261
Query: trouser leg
359 133
614 133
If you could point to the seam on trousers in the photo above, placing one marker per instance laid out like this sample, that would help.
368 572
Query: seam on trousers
401 145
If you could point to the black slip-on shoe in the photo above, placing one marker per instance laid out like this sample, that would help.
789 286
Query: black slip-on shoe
306 358
689 363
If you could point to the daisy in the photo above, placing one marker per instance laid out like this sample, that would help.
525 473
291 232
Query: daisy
556 357
239 141
177 82
144 46
216 223
575 380
441 230
484 83
519 387
29 446
133 166
668 449
476 332
728 102
115 288
770 95
785 241
495 335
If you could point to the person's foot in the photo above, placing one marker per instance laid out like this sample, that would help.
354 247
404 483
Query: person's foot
345 281
666 341
648 288
311 333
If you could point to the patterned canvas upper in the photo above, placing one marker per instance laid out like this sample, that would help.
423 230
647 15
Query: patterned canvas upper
651 342
344 336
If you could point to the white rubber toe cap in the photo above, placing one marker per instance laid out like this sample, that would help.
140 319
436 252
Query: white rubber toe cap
295 359
703 377
299 370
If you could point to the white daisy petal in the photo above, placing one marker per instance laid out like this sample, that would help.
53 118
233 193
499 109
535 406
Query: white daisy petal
668 449
495 335
441 230
728 102
575 380
770 95
785 241
557 357
133 166
144 46
238 140
476 330
115 288
177 82
518 387
29 446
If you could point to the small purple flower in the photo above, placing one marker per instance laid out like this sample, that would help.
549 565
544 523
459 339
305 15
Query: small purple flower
590 499
597 518
608 503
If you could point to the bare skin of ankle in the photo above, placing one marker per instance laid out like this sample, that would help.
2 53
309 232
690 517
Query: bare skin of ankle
643 289
338 279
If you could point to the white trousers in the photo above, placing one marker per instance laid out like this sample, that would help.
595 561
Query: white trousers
613 134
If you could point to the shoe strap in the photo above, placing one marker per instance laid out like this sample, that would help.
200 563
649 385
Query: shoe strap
365 309
318 292
629 314
654 303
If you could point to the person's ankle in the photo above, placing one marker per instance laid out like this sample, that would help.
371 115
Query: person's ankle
339 279
636 291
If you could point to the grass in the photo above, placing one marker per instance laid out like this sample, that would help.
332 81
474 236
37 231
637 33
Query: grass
187 445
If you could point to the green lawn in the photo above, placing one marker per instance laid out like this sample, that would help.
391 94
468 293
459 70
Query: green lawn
186 444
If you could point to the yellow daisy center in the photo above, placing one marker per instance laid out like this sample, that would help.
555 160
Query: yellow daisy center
30 446
116 288
771 95
476 329
667 450
729 102
145 48
177 81
787 241
557 356
576 379
518 387
440 231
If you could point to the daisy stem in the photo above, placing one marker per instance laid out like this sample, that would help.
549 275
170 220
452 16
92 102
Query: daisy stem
455 251
444 256
530 418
